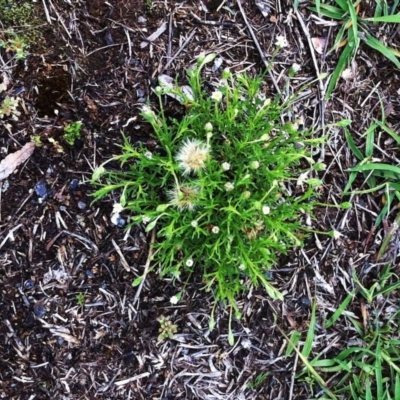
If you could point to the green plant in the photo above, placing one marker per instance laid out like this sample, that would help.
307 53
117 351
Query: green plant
226 188
9 108
368 369
80 298
15 13
354 30
374 172
72 132
16 44
167 328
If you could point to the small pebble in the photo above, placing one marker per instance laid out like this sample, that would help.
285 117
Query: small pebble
140 93
41 189
39 309
90 274
81 205
269 275
304 302
117 220
29 284
74 184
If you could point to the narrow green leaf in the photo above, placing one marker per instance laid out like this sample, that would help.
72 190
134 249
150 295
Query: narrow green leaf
343 61
336 315
369 145
395 19
352 145
376 167
310 334
137 281
389 131
386 51
294 339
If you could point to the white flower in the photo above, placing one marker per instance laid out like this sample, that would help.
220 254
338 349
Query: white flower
226 166
194 224
336 234
229 186
281 41
148 155
146 110
254 165
242 267
296 67
184 197
192 156
208 127
189 262
266 210
117 208
174 300
215 229
217 95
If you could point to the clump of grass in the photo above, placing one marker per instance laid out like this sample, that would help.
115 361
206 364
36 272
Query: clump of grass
227 188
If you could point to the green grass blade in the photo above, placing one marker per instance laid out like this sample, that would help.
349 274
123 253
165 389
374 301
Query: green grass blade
336 315
294 339
389 131
310 334
352 145
397 387
378 371
394 19
343 61
369 145
386 51
353 16
344 4
376 167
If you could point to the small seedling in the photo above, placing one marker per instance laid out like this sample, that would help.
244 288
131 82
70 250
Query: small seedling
9 108
167 328
80 298
72 132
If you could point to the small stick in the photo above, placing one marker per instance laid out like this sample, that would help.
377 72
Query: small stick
146 267
258 47
321 85
123 260
161 69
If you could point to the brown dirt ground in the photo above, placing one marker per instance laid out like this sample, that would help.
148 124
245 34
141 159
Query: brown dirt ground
89 66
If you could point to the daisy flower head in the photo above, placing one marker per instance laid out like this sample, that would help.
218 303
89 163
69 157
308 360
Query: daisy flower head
226 166
194 224
229 186
281 41
174 300
189 262
215 229
148 155
217 95
192 156
266 210
184 197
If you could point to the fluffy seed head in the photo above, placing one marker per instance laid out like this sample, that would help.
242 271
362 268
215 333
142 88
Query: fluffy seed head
184 197
192 156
